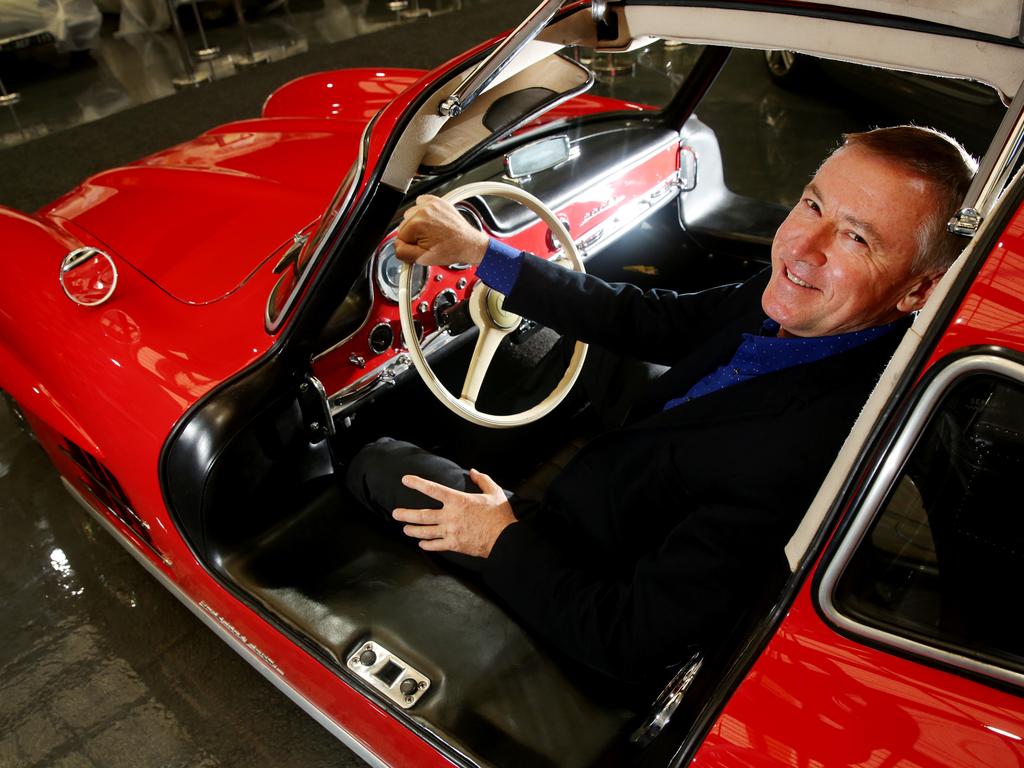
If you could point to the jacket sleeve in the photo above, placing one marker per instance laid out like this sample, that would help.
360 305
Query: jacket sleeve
653 325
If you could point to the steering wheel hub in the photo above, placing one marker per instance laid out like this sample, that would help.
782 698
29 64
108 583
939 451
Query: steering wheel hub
501 318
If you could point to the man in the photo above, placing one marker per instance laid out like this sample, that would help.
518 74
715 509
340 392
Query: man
656 536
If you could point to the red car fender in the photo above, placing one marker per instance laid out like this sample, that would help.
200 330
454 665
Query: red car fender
31 246
347 94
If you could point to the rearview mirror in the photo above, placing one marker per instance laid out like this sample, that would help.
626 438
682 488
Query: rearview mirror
538 156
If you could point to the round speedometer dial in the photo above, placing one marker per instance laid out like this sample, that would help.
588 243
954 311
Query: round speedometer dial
389 269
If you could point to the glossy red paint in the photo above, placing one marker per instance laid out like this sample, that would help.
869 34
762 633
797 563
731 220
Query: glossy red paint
993 310
248 187
350 94
815 697
114 380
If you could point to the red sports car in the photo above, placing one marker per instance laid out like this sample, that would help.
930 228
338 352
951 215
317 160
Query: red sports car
236 358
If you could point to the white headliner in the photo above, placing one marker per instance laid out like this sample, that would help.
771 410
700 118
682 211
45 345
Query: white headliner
1001 66
992 17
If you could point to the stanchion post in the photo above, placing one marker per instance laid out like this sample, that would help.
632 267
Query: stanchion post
252 59
191 78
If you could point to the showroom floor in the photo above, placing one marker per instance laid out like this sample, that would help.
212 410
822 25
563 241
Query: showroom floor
99 666
60 90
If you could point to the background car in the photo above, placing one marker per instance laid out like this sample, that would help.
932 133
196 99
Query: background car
963 108
72 25
237 363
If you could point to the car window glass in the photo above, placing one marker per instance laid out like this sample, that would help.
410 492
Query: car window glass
776 116
648 76
941 563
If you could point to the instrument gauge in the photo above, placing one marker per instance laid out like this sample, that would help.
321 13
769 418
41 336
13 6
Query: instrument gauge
389 270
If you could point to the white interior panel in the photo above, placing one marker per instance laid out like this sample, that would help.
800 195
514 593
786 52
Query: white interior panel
1001 66
992 17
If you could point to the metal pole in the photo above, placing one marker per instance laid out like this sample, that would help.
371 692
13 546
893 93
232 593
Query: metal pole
253 59
191 78
9 99
207 52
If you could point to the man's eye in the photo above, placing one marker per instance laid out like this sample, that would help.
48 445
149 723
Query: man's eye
856 238
811 204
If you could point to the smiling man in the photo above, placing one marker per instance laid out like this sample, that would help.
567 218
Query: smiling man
659 534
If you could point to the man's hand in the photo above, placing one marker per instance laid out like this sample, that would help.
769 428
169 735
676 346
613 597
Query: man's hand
468 522
434 232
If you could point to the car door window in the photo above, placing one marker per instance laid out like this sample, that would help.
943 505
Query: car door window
941 563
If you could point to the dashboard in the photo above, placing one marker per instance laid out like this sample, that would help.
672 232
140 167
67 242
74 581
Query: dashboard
613 181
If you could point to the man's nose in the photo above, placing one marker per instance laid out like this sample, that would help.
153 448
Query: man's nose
809 244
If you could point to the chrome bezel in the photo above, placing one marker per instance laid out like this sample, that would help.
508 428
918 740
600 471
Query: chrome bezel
446 292
387 291
873 502
75 258
369 338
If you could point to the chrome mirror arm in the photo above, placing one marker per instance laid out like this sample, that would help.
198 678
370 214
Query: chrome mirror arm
492 66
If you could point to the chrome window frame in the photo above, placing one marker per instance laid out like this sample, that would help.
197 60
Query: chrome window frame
890 471
321 237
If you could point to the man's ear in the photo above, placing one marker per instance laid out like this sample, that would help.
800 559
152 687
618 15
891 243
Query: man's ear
919 292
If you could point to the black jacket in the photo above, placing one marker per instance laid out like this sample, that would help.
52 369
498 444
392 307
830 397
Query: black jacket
656 536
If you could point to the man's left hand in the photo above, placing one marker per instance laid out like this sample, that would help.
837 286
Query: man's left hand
467 522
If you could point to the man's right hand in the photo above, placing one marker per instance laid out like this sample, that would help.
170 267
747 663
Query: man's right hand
434 232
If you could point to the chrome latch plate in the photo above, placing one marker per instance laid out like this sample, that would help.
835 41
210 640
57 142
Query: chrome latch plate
387 673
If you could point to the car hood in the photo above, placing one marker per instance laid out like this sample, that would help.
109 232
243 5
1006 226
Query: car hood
199 218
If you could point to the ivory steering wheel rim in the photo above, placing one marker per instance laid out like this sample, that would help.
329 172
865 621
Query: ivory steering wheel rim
490 333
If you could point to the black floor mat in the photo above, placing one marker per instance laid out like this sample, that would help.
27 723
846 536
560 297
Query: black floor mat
341 579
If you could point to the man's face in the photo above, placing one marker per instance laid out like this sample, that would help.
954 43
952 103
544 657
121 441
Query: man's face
841 259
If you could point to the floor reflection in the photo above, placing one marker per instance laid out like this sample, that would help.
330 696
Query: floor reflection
141 59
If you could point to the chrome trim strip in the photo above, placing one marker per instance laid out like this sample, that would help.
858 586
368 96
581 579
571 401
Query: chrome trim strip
276 677
890 470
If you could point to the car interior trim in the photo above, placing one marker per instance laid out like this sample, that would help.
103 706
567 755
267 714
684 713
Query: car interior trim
273 674
875 498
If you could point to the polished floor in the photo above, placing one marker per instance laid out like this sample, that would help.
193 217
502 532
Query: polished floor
99 666
129 65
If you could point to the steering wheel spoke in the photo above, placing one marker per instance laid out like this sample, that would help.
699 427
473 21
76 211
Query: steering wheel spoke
486 345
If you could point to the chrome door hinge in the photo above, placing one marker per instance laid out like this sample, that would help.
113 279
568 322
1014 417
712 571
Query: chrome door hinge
966 222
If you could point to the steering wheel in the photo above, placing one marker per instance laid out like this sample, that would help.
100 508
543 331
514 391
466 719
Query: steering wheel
493 322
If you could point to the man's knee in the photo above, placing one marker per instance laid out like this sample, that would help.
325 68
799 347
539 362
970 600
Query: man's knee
375 470
375 475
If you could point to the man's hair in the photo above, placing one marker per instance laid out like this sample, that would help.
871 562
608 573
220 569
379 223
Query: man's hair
943 162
